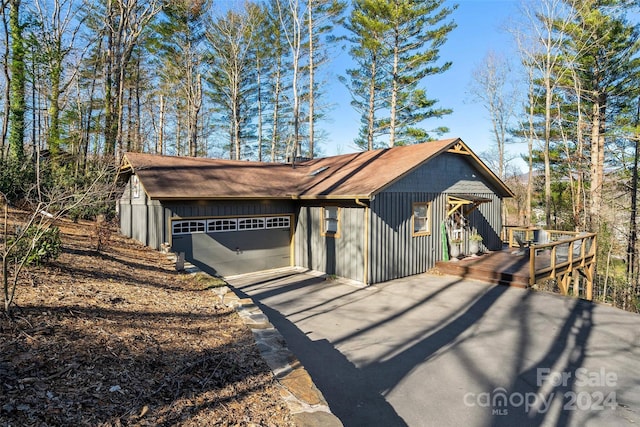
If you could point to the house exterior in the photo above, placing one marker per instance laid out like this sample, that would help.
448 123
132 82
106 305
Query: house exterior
371 216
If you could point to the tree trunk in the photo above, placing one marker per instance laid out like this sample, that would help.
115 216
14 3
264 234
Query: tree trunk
138 117
129 144
7 92
109 137
393 107
89 116
294 39
236 127
54 116
547 144
371 114
194 112
530 138
276 112
597 160
160 140
632 278
296 97
259 102
311 75
17 85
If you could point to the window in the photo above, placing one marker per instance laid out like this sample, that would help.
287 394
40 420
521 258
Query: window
220 225
250 223
421 219
278 222
331 221
186 227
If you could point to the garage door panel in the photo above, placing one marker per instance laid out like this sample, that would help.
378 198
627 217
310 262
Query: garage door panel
236 252
252 239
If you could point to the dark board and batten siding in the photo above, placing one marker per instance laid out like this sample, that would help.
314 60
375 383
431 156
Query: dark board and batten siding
148 221
343 255
394 251
446 173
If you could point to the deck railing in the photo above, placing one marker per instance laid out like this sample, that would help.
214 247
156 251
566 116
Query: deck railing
555 254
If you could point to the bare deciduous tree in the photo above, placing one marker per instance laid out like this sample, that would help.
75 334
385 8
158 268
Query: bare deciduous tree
123 23
22 243
230 38
56 33
490 86
540 39
291 18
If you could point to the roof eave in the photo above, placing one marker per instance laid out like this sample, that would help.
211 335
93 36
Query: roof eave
333 197
259 197
192 198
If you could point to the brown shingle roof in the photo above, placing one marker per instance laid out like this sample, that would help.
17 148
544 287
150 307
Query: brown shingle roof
353 175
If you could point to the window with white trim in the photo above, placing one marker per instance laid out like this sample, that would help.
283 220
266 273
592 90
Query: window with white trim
278 222
222 224
250 223
421 219
190 226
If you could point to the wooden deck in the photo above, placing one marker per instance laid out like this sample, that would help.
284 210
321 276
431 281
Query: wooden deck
569 259
500 267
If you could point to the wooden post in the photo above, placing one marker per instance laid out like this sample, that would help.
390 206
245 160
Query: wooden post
563 283
532 266
591 270
570 255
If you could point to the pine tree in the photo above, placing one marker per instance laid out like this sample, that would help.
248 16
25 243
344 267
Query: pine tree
231 76
417 32
397 46
177 45
367 83
604 46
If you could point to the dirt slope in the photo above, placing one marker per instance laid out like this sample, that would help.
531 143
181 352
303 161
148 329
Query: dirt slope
120 338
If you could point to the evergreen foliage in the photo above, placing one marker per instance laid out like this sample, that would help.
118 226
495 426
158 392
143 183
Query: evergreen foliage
37 245
396 45
17 101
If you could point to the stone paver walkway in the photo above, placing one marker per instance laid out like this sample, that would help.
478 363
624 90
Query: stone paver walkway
305 401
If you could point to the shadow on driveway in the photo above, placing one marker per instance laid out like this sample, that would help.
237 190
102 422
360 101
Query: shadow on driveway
430 350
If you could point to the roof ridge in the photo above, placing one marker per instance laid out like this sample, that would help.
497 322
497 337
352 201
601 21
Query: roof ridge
359 174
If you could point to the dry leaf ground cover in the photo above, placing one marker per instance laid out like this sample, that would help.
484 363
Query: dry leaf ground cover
120 338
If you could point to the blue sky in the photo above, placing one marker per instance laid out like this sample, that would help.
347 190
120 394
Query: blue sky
480 28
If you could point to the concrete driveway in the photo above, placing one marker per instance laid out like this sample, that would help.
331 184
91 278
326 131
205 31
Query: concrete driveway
442 351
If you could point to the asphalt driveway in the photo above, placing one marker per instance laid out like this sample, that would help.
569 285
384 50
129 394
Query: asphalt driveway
442 351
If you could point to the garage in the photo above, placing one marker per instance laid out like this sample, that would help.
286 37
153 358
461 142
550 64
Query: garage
369 216
234 245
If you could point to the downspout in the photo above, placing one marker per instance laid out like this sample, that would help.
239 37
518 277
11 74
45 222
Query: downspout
366 239
294 217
